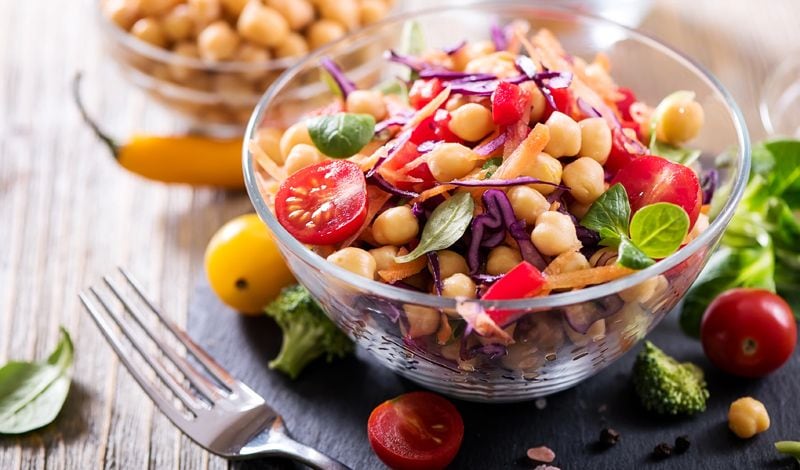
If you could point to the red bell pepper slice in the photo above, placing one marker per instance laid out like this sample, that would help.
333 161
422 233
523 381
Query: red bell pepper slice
424 91
523 281
509 102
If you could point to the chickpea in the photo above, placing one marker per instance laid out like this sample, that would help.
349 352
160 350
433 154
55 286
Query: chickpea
502 259
233 7
747 417
545 168
384 257
204 12
232 87
641 292
471 122
150 31
182 73
395 226
367 102
568 262
595 139
155 7
262 25
497 63
585 178
122 12
324 31
459 285
449 161
538 101
422 321
297 133
579 209
355 260
345 12
455 102
565 135
471 51
293 46
253 54
178 24
371 11
218 41
451 263
269 140
679 119
299 13
554 234
528 203
301 156
700 226
596 331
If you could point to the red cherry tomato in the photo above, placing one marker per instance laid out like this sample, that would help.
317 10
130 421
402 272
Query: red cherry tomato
621 154
624 105
423 91
509 103
748 332
434 128
417 430
402 157
524 280
563 100
649 179
323 204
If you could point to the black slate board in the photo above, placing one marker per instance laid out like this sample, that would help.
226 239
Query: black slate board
328 406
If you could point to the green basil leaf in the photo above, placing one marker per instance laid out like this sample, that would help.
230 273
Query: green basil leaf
341 135
446 225
609 215
491 165
727 268
32 394
659 229
680 155
632 257
785 173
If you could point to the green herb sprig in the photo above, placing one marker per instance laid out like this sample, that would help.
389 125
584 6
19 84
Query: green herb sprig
341 135
445 226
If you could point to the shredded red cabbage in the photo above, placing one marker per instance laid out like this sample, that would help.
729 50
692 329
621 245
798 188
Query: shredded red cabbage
455 48
491 350
414 63
581 316
378 180
344 83
504 183
392 147
473 87
546 80
419 212
587 109
492 146
433 263
708 183
453 75
392 121
428 145
499 38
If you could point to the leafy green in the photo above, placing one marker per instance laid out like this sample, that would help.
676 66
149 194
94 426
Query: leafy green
341 135
445 226
760 247
677 154
632 257
666 386
491 165
609 215
659 229
33 393
307 333
790 448
393 86
412 42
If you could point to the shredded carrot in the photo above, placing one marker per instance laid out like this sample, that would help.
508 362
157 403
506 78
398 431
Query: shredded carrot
705 209
434 191
375 201
586 277
400 271
428 109
445 330
266 163
529 149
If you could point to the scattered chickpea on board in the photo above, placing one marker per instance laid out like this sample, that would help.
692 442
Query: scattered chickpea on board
747 417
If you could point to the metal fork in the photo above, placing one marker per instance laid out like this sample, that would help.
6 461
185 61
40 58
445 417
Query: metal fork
222 415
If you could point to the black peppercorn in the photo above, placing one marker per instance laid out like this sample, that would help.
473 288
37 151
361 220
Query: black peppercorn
681 444
609 437
662 451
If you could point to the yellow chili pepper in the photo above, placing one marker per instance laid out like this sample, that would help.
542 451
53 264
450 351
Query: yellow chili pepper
187 159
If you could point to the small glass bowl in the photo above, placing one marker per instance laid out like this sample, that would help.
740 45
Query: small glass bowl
560 339
780 99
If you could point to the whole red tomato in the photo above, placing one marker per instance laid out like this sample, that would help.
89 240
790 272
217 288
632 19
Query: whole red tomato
748 332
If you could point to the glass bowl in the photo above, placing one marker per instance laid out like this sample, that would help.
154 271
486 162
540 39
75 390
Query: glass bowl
780 98
560 339
218 97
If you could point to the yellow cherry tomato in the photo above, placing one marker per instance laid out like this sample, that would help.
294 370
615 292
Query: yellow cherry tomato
243 265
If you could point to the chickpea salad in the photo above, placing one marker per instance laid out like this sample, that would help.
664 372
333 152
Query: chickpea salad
498 169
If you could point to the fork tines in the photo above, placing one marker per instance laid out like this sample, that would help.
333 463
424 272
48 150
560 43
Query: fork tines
130 311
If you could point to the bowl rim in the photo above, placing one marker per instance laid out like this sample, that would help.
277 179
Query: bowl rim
398 294
159 54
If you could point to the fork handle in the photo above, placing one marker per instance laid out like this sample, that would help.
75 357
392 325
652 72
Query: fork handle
276 442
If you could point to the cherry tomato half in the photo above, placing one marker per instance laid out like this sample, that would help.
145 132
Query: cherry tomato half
434 128
649 179
417 430
423 92
748 332
324 203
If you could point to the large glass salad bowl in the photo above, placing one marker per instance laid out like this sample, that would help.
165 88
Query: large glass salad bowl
560 339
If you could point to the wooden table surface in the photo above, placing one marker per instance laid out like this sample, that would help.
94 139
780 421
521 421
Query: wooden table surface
68 214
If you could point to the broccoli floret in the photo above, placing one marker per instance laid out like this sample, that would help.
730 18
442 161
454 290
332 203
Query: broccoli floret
307 332
666 386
